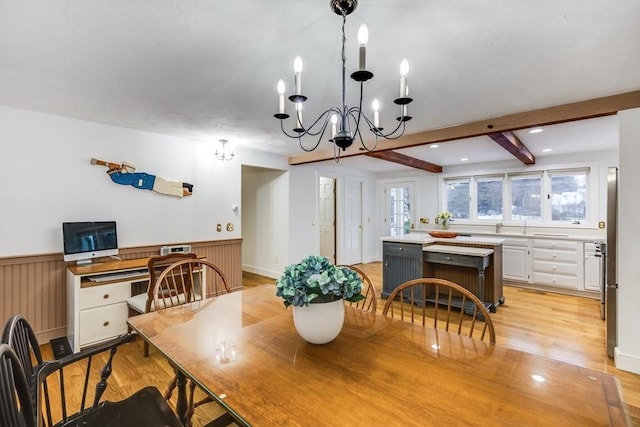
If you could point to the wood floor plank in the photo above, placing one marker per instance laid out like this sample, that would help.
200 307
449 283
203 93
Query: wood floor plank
561 327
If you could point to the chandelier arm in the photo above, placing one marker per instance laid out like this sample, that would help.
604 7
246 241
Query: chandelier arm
285 132
326 114
392 135
336 153
308 150
358 133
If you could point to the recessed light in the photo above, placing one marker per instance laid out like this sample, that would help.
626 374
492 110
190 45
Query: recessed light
464 159
434 146
535 130
546 150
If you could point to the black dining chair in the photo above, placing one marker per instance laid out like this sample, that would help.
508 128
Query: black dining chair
146 407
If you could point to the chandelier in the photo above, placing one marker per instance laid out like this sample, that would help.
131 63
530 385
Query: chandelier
222 156
342 118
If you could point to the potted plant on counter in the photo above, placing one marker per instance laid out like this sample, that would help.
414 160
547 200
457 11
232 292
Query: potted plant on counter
443 218
316 289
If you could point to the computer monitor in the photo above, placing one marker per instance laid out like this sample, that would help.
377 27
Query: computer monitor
86 240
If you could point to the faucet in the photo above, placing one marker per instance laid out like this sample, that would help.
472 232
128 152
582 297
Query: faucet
498 227
525 227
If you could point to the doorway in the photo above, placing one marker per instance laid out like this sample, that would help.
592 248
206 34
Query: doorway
327 218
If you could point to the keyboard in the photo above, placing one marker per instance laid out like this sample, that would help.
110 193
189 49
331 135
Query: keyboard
118 276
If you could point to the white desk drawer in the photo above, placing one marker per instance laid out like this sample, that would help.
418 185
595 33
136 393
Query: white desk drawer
97 296
101 323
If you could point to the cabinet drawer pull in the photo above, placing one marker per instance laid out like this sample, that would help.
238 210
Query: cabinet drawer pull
401 249
106 323
105 296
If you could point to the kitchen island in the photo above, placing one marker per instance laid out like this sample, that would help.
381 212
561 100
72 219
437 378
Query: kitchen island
404 259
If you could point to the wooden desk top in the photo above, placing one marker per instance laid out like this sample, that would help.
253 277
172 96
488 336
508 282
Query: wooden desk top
377 372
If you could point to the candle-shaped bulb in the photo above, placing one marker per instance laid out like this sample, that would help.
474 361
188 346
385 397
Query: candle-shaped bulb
297 69
280 88
404 70
363 37
375 105
404 67
334 122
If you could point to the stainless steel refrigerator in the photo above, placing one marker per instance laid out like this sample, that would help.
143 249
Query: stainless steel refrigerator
611 289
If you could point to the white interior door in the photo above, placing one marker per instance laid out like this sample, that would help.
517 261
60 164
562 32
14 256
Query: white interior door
353 221
327 218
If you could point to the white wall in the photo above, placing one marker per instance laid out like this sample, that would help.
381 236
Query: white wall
265 220
627 354
46 178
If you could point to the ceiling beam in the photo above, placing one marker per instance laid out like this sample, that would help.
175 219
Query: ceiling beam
510 142
403 159
597 107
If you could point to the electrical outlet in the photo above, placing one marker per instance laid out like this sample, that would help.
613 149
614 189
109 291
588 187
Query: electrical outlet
219 228
601 225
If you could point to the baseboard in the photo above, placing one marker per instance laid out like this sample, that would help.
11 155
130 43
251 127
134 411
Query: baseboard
626 362
44 337
261 271
551 289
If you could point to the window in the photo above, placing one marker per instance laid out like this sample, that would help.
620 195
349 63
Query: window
526 200
568 196
545 196
489 197
458 198
399 209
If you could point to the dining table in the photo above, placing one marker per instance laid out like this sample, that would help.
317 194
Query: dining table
243 350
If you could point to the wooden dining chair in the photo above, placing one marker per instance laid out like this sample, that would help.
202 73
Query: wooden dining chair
183 282
144 407
443 305
143 303
370 301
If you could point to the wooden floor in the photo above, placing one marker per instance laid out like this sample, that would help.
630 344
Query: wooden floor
560 327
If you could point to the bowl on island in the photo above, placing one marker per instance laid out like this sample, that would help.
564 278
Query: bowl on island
443 234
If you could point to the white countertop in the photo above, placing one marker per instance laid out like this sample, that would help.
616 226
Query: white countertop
507 235
426 239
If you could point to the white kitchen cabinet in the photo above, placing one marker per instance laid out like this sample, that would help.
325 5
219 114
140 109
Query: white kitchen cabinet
515 259
592 268
558 263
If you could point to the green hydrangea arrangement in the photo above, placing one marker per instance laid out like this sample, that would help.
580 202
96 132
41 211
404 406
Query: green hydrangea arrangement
316 280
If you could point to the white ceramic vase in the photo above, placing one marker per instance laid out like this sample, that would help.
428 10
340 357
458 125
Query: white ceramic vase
319 323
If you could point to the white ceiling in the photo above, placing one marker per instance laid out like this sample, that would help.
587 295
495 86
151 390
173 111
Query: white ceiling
205 70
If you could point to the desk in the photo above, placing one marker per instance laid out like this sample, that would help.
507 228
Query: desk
377 372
